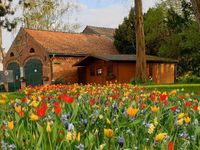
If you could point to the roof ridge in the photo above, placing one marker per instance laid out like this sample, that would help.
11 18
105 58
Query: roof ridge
51 31
100 27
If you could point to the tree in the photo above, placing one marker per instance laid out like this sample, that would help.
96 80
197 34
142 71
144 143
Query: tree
47 14
196 7
124 38
5 11
140 42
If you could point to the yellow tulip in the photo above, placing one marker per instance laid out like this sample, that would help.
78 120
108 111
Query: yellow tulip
160 137
18 109
108 133
181 115
154 109
4 96
132 112
34 117
180 121
79 137
2 101
48 127
187 119
34 104
11 125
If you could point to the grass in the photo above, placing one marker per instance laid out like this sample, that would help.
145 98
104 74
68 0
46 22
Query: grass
169 87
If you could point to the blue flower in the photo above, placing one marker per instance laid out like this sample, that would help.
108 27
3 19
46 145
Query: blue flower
121 141
67 125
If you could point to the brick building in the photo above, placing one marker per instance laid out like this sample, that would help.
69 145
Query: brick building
44 57
41 57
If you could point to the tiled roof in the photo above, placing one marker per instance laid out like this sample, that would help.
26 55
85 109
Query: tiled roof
124 58
109 32
73 43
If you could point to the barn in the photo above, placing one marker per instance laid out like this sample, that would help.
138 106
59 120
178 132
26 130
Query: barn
39 57
122 68
42 57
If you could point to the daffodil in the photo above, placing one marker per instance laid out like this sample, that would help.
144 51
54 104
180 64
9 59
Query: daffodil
159 137
11 125
151 129
108 133
34 117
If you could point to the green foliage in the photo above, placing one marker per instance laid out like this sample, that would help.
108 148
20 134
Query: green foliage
173 33
125 35
48 14
6 10
188 78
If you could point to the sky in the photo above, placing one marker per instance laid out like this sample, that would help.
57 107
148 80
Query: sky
101 13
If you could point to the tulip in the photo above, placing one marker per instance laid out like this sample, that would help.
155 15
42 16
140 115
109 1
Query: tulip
160 137
11 125
154 109
48 127
132 112
34 117
2 101
108 133
187 119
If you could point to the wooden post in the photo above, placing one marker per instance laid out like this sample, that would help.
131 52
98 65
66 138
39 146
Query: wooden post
140 43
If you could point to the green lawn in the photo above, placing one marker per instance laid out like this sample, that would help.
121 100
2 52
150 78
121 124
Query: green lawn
168 87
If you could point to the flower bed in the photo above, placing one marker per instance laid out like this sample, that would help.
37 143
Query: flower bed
112 116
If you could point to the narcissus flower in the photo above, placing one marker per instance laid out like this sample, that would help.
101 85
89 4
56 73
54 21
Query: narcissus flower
132 111
159 137
11 125
34 117
108 133
154 109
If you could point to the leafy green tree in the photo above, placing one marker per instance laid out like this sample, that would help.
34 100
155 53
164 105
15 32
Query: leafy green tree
155 29
6 10
48 14
124 38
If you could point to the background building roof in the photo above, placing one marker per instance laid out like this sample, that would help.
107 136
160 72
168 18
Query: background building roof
108 32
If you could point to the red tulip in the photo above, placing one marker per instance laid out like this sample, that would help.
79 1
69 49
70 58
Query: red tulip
188 104
171 145
92 102
173 108
58 110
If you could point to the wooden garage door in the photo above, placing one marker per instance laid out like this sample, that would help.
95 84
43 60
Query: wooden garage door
16 85
33 72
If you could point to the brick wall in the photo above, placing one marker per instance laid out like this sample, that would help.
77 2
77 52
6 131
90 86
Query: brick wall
63 68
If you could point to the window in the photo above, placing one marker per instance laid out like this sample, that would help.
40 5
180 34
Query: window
32 50
99 72
92 71
110 70
12 54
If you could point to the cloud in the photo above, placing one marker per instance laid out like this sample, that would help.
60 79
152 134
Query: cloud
110 16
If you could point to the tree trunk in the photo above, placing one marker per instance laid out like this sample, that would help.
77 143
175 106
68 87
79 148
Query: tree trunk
140 43
1 48
196 7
